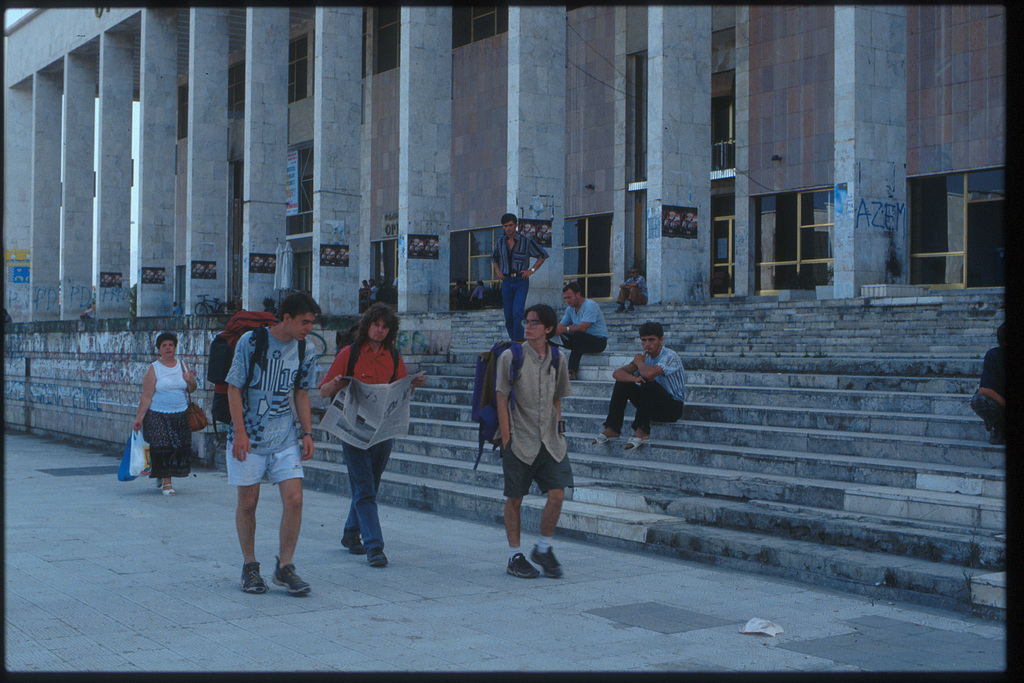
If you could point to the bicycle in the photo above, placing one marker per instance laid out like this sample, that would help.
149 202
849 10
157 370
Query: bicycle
208 305
318 343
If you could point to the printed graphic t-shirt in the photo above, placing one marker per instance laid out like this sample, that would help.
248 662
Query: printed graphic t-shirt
269 420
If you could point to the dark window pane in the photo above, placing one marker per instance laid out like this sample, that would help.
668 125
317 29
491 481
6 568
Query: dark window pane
937 270
598 287
462 27
599 244
985 251
572 233
985 185
575 262
459 264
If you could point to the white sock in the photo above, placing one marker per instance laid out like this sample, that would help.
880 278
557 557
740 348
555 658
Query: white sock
544 544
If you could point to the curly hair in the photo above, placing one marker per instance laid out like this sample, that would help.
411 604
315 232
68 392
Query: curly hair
384 313
167 336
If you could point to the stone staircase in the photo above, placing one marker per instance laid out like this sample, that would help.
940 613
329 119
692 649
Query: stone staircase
826 442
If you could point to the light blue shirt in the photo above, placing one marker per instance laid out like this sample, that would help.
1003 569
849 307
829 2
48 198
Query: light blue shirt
589 312
673 374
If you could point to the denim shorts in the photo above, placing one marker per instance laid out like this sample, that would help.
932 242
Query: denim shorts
545 470
285 464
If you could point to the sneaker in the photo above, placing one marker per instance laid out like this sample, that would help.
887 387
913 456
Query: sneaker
629 307
547 562
286 576
252 582
375 557
354 545
621 308
519 566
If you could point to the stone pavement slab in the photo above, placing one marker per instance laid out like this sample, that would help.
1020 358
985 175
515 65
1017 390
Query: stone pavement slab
104 575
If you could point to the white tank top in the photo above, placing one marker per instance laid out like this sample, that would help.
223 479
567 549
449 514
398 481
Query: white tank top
170 389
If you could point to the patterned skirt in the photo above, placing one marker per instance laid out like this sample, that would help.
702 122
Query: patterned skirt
170 443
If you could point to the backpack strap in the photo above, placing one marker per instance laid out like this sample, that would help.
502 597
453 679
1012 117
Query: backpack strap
353 356
262 336
300 373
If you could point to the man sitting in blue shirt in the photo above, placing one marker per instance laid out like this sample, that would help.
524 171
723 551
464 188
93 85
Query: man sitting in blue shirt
654 382
632 292
582 328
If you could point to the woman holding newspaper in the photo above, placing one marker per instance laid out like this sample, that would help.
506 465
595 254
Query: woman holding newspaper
372 359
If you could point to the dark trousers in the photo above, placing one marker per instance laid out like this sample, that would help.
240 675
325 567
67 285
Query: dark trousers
652 402
992 413
580 343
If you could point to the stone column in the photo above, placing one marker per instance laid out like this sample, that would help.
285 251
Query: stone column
46 191
743 284
207 214
76 252
114 173
158 96
678 145
870 238
266 145
536 131
337 92
424 164
17 202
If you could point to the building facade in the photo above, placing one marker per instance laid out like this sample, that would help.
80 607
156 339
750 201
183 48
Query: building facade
727 151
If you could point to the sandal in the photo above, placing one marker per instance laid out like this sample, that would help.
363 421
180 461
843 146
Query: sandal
636 442
602 439
168 490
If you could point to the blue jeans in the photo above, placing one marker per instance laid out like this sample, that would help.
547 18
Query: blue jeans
365 468
513 298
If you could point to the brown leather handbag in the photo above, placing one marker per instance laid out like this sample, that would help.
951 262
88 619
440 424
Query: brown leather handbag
196 416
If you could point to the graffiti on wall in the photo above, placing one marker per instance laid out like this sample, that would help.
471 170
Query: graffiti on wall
885 215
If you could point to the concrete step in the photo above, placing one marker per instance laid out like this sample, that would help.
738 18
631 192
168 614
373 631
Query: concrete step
702 393
668 438
870 573
652 469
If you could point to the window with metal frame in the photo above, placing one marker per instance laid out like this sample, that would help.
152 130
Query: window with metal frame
471 23
303 222
298 64
723 261
471 252
182 111
793 234
387 37
236 91
956 229
586 254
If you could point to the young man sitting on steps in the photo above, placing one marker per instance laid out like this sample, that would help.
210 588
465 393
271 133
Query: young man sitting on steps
654 382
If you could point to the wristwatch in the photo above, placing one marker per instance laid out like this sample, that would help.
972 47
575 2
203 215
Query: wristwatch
309 434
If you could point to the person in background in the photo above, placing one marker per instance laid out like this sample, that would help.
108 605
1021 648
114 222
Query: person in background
476 299
582 329
176 309
655 383
632 292
162 414
989 402
510 263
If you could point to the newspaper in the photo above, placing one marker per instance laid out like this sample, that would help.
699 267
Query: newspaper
366 414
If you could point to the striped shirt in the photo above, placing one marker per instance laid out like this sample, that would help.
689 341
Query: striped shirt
673 375
517 259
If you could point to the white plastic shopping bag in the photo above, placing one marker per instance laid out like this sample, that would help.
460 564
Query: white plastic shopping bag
136 462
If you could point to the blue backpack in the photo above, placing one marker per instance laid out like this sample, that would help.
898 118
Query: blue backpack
485 404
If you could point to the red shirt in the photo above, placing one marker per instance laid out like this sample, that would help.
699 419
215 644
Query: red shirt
371 367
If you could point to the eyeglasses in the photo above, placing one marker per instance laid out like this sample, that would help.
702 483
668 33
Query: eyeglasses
531 323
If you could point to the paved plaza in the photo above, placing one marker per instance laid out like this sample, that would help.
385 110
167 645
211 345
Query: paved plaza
103 575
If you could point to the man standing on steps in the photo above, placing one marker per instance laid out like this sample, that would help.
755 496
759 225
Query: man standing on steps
532 438
511 265
582 328
268 365
654 382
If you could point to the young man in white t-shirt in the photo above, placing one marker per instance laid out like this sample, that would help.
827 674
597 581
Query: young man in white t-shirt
262 437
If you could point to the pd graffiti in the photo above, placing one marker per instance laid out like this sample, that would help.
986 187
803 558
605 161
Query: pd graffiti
883 215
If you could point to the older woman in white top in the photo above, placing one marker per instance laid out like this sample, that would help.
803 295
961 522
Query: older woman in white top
162 414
